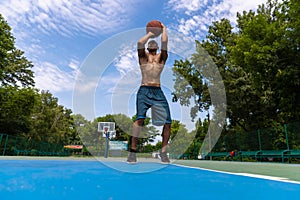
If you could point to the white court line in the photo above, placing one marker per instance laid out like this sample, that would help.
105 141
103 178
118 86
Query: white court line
273 178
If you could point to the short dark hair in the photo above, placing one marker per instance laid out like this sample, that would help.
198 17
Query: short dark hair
152 44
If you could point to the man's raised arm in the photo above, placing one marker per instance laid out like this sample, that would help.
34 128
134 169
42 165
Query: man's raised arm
164 38
143 40
164 45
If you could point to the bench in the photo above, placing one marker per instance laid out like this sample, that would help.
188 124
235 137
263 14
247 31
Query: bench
259 155
273 154
217 155
248 154
3 147
24 152
293 154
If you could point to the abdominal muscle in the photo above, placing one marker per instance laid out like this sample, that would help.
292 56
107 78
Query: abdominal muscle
151 72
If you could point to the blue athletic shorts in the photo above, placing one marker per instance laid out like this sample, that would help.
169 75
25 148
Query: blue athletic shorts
154 98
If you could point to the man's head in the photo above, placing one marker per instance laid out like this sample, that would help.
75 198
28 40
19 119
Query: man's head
152 46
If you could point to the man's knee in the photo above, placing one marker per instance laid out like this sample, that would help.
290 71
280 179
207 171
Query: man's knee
167 126
166 129
139 122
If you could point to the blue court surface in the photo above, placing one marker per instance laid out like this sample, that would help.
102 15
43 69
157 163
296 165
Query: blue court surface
89 179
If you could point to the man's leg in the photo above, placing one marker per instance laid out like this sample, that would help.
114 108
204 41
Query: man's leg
137 125
165 136
135 133
165 139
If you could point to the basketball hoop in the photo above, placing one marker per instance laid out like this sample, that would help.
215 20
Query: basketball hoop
108 131
107 128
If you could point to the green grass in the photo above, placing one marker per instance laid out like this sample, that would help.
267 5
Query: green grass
288 171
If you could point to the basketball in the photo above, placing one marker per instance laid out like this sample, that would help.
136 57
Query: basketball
155 27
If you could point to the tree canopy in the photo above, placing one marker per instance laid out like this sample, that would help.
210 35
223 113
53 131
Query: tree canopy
24 110
258 63
15 69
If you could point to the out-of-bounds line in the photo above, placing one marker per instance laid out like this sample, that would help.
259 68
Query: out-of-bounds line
273 178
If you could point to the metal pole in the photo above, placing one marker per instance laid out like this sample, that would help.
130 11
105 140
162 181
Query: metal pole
259 142
209 136
1 135
5 145
106 144
286 137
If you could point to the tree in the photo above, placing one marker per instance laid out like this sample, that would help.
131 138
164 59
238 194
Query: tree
16 106
254 62
290 74
259 64
189 86
262 51
15 69
25 111
51 122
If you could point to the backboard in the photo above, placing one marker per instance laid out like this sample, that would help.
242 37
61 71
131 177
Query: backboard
107 127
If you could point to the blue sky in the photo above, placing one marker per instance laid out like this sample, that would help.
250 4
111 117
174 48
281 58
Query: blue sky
60 37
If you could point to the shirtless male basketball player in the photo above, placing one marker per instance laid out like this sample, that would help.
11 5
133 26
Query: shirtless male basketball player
150 93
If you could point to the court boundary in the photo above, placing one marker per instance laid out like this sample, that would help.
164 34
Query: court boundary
266 177
275 171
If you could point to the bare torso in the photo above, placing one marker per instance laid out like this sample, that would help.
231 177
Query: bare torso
151 69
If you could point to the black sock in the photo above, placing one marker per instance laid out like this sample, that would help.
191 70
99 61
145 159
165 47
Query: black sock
132 150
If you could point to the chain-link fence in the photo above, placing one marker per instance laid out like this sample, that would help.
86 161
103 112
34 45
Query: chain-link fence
277 143
17 146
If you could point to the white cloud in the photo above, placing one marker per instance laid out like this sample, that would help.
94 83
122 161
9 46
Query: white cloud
200 14
74 64
82 85
192 26
127 60
49 77
34 21
127 71
187 6
67 17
